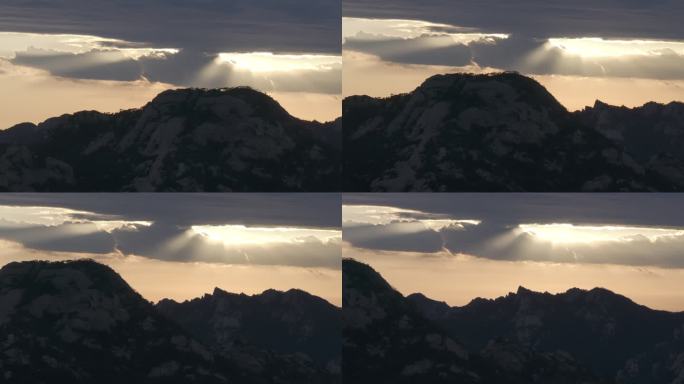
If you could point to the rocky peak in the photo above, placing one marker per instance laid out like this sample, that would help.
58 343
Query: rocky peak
491 132
235 139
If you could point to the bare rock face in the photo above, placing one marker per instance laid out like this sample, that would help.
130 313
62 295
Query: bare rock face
505 132
184 140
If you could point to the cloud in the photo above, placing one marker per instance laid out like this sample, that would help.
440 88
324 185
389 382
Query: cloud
176 42
187 68
273 229
166 241
66 237
639 230
427 50
407 236
530 55
92 65
660 19
202 25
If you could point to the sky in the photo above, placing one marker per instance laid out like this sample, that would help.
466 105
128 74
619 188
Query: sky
64 56
456 247
181 246
623 52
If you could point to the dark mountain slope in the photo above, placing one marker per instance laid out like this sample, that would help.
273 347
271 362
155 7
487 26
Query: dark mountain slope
388 340
79 322
292 322
653 134
498 132
599 328
184 140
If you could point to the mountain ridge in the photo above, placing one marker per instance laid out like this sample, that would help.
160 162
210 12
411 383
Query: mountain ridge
60 320
505 132
575 336
388 339
228 139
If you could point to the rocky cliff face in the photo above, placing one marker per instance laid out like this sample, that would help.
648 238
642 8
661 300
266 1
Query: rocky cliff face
79 322
184 140
505 132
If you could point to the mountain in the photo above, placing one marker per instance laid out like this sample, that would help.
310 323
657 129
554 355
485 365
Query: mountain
387 339
506 132
608 333
235 139
292 322
653 134
79 322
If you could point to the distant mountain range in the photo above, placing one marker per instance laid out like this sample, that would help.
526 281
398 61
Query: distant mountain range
234 139
578 336
79 322
506 132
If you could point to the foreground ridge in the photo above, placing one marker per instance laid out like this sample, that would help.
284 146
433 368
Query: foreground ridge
506 132
80 322
234 139
579 336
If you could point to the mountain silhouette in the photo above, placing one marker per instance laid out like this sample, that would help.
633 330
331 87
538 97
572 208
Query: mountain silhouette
235 139
292 322
599 328
79 322
506 132
387 339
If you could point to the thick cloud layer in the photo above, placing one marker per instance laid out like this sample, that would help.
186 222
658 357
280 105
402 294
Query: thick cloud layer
499 237
201 25
177 42
187 68
163 226
523 53
646 19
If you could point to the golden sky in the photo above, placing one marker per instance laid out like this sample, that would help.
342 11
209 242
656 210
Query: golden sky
457 279
457 247
382 57
366 74
157 279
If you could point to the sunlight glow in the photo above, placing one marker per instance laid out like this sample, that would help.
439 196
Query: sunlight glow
271 62
382 215
599 47
410 29
52 216
13 42
576 234
243 235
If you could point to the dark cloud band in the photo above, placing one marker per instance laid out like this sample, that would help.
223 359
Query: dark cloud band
202 25
646 19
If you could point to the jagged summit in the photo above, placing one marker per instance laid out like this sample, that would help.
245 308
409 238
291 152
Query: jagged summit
577 336
291 322
389 338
